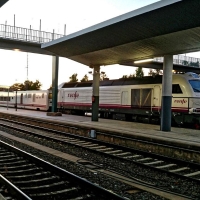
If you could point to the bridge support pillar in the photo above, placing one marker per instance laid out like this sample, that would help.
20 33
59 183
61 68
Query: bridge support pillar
55 65
166 93
95 93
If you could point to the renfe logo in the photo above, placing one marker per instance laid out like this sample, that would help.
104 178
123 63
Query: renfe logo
182 101
73 95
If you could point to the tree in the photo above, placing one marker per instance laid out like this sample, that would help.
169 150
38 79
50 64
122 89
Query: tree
17 86
131 76
128 77
125 76
155 72
30 85
103 76
85 78
73 78
139 72
36 85
27 85
159 71
185 62
50 87
194 64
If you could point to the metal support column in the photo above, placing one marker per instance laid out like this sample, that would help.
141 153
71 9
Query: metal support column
95 93
7 98
55 64
166 93
16 101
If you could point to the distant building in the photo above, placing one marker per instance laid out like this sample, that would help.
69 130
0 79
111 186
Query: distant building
4 87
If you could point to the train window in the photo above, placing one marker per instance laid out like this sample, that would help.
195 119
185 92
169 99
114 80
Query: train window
194 75
2 98
176 89
195 85
34 97
6 98
43 95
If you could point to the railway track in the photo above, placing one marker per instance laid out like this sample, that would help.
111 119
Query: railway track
168 148
182 170
10 191
34 178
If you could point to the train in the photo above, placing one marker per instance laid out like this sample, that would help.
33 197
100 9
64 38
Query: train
30 99
135 99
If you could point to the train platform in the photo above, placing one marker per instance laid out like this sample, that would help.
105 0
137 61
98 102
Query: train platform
184 137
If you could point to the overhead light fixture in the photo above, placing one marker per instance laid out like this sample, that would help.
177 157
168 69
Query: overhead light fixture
141 61
16 49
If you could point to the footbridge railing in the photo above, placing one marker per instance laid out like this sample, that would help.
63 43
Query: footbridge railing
182 60
27 34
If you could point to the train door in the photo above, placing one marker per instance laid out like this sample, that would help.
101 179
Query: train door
141 98
21 99
157 97
34 97
124 98
50 99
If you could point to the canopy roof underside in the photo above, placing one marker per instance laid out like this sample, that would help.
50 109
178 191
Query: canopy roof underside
163 28
2 2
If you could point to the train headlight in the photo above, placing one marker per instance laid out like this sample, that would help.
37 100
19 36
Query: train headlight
192 110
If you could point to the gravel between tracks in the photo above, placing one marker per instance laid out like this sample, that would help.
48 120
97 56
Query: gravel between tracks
98 178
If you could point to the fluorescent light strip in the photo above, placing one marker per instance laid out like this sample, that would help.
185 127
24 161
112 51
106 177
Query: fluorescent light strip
141 61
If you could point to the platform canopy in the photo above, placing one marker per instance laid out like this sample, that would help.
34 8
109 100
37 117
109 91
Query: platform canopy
2 2
167 27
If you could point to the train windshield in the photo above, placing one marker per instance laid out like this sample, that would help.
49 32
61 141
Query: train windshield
195 85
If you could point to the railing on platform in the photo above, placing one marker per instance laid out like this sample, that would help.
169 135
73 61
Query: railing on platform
182 60
28 35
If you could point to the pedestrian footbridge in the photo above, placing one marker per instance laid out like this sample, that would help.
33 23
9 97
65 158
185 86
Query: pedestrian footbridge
25 39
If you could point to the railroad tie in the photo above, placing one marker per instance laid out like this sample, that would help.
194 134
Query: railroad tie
193 174
179 169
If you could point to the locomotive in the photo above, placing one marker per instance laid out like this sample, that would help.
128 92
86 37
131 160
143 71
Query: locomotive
135 99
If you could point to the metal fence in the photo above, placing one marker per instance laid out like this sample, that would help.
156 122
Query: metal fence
182 60
25 34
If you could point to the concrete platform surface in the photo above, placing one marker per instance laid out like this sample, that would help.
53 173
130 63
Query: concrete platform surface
180 135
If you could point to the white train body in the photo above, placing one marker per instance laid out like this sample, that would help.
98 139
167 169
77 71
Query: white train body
120 99
184 98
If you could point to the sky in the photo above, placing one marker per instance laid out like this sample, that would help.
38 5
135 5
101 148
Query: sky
54 15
